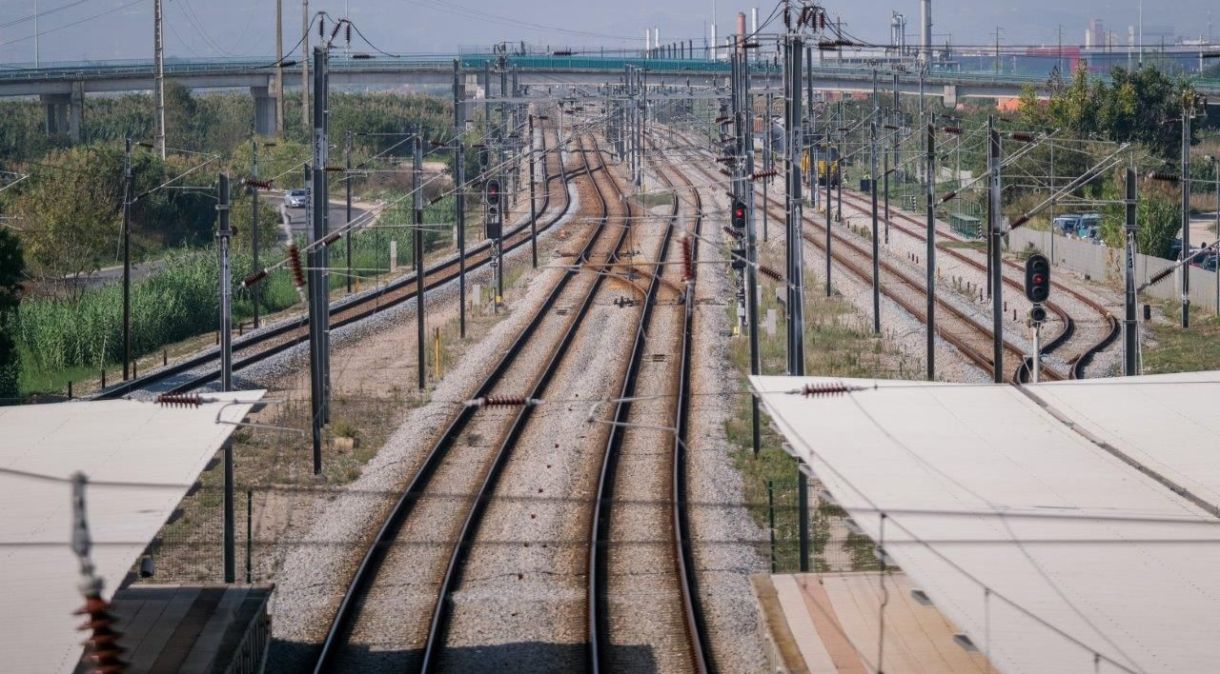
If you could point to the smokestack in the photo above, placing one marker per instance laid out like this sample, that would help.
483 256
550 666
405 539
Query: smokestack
753 20
647 42
925 36
741 30
656 38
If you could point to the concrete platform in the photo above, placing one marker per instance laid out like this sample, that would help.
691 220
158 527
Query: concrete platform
828 623
190 629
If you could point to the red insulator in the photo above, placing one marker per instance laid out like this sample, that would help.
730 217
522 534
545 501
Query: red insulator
732 232
1022 137
688 262
955 130
770 273
294 263
102 649
179 400
506 401
765 174
259 184
825 389
254 278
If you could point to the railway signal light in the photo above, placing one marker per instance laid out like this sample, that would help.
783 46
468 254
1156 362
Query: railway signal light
1037 278
1037 314
491 196
739 215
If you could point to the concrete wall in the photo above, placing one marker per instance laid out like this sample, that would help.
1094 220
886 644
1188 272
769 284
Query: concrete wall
1102 263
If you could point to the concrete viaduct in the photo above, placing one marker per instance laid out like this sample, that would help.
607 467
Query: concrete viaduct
62 88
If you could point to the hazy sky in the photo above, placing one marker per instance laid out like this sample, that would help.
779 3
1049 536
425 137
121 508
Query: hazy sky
118 29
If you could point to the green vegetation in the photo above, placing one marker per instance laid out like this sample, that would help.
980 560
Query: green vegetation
68 215
837 343
180 302
12 270
1178 350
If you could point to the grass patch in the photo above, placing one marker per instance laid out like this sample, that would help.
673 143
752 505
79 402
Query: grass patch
1177 350
838 342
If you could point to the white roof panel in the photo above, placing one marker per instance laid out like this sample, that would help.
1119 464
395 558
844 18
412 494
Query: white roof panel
1047 548
137 443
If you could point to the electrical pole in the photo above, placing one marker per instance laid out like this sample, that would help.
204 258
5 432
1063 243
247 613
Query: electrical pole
347 184
128 191
305 109
417 188
318 290
872 188
1186 124
994 218
254 219
796 285
832 167
885 178
279 68
930 252
533 204
745 133
224 234
768 162
159 74
1130 323
459 167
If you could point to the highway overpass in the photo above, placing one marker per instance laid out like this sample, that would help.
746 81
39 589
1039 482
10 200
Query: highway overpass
62 87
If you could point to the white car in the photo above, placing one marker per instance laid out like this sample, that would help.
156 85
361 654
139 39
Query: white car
297 198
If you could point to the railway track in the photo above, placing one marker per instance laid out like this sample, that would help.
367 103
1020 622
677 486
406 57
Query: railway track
203 368
1076 363
906 289
643 609
397 609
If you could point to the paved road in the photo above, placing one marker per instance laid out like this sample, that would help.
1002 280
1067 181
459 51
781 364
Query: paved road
298 225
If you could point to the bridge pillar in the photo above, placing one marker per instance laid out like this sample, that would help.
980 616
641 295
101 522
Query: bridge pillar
65 113
264 111
950 96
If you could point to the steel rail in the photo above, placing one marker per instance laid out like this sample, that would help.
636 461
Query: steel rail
1078 362
366 572
441 614
344 311
598 619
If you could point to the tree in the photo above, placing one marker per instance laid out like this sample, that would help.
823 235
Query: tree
12 272
69 210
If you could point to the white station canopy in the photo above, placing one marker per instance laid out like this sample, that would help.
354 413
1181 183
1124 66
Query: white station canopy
1065 527
140 459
